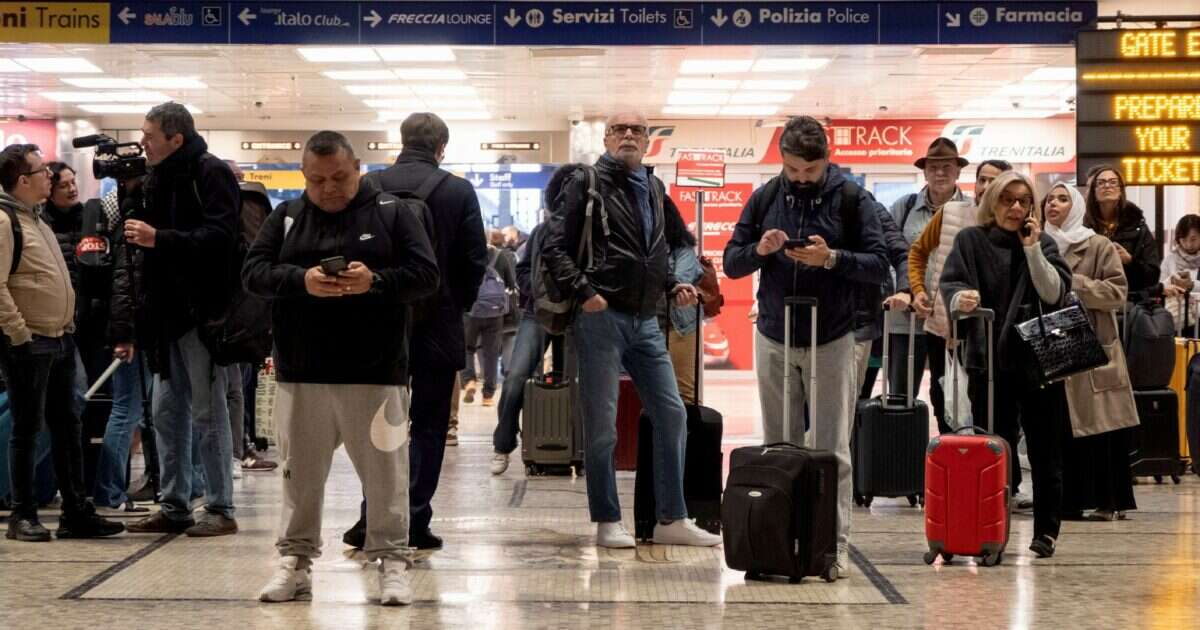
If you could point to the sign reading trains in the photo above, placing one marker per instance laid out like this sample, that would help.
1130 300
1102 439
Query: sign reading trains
1138 104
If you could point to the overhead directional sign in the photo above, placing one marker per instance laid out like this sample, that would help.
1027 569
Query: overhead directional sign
563 23
1138 104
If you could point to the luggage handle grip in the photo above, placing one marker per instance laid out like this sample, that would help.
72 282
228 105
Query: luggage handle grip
800 300
912 338
989 318
979 313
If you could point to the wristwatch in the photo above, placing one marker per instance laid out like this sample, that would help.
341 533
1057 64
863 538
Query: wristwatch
831 262
376 282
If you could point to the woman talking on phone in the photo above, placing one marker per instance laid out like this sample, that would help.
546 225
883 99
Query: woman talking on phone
1007 264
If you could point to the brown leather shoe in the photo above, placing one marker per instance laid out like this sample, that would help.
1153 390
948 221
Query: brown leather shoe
159 524
211 525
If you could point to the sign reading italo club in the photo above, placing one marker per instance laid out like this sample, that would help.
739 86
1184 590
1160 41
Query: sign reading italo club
1138 104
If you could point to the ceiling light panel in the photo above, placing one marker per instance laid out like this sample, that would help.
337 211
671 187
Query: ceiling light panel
360 75
443 90
382 89
392 103
691 110
416 53
464 115
110 108
170 83
338 54
715 66
132 96
998 113
746 98
794 85
1052 74
430 74
8 65
689 83
749 110
790 64
697 98
100 83
59 65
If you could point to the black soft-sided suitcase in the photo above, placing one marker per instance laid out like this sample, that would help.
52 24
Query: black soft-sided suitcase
1148 336
701 465
1156 438
1193 411
779 510
891 432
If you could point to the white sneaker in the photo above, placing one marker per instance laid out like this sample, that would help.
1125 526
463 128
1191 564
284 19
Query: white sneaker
289 583
395 587
614 536
684 532
452 436
237 469
843 564
1022 501
499 463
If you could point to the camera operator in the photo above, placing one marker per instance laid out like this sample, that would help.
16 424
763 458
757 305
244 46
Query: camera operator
185 234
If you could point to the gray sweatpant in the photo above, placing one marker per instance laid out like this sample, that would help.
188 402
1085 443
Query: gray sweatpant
830 430
313 419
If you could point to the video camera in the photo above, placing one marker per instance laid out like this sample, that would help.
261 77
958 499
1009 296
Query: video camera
119 160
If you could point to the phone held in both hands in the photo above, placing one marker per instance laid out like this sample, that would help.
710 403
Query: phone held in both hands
333 265
797 243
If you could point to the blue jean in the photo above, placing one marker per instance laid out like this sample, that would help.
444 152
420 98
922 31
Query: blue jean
605 341
118 434
528 350
193 398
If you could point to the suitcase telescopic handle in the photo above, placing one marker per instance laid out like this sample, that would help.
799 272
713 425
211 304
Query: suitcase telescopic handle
788 303
912 339
989 317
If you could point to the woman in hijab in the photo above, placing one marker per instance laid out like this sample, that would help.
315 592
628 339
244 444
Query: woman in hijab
1096 455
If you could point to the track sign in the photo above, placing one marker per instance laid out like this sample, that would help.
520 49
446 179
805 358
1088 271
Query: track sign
700 168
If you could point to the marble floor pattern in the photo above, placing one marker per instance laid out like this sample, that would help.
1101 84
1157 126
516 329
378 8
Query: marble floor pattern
520 554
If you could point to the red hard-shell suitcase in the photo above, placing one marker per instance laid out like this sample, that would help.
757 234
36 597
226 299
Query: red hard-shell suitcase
967 491
629 411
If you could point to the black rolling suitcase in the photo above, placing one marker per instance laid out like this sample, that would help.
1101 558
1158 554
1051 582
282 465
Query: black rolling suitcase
1156 438
779 510
551 427
701 465
888 441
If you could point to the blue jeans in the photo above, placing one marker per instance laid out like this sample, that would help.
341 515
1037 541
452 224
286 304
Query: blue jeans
118 434
528 350
605 341
193 398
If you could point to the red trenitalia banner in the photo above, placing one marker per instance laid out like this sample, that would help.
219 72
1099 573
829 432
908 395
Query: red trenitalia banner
729 338
882 141
39 132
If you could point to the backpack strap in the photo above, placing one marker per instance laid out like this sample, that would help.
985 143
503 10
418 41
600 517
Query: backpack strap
430 184
18 238
770 191
851 218
910 202
586 246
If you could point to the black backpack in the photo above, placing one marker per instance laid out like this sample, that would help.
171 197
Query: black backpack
18 238
426 308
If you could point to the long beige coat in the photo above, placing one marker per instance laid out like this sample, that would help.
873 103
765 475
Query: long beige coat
1100 400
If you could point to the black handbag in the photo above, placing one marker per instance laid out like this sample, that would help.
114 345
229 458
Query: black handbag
1060 344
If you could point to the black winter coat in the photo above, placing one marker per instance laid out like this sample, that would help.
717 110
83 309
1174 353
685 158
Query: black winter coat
359 339
862 260
1137 238
628 273
869 314
461 253
192 200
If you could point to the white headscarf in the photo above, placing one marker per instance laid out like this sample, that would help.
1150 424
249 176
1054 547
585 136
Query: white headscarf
1072 232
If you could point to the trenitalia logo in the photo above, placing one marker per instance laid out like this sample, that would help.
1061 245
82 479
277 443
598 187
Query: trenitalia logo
658 137
964 136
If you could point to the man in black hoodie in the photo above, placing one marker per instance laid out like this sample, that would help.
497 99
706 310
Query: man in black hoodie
341 355
184 235
618 325
438 340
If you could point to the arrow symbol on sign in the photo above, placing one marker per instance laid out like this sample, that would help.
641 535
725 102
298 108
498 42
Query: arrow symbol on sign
126 15
512 18
953 20
477 181
719 19
374 19
246 16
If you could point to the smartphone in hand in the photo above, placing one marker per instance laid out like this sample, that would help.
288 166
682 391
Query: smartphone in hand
797 243
333 265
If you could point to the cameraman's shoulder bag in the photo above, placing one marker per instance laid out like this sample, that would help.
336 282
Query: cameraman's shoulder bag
554 308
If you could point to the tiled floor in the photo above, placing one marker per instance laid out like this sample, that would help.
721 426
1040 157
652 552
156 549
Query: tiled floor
519 554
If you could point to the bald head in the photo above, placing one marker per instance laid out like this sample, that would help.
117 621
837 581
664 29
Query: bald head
626 137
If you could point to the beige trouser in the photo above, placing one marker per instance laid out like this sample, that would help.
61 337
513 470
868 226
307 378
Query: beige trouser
682 349
372 421
454 398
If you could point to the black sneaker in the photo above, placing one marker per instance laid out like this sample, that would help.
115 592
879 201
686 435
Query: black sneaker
27 530
1043 546
424 541
87 524
356 536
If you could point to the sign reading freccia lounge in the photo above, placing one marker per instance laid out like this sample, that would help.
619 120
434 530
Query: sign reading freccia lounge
1138 104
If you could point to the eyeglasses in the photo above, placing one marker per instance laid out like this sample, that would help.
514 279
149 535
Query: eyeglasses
1108 183
620 130
1024 202
44 169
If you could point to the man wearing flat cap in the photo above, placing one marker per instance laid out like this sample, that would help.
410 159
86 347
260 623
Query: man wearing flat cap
942 166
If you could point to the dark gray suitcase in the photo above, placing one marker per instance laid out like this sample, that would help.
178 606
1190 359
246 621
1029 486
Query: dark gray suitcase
551 427
887 444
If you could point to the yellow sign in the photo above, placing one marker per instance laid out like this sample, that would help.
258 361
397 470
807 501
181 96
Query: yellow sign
1141 171
1156 107
1164 139
1162 44
54 22
277 180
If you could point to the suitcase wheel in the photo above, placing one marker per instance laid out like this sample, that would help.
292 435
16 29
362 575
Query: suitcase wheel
930 556
947 558
912 500
830 575
1175 479
753 575
533 470
991 560
1157 478
858 500
865 501
794 580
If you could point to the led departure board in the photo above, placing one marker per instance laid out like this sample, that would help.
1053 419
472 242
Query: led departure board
1138 104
